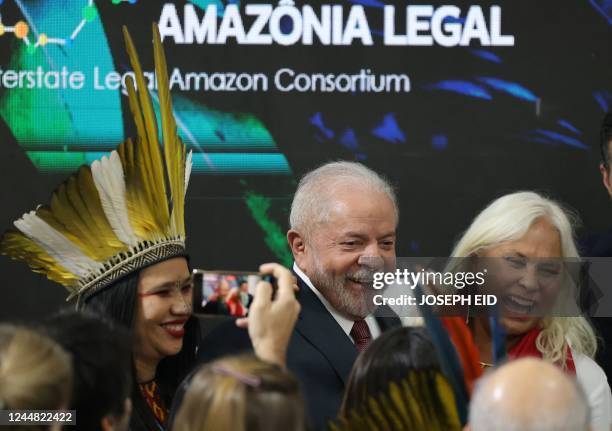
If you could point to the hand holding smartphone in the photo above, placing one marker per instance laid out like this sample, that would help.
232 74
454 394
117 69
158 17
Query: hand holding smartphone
224 292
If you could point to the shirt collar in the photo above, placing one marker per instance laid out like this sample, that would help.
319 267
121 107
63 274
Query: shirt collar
345 323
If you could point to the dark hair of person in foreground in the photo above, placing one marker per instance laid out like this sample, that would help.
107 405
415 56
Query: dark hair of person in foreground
101 358
396 384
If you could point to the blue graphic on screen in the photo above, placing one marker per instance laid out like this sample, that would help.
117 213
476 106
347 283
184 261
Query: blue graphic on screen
486 55
349 139
569 126
554 138
439 142
603 99
389 130
466 88
604 7
512 88
317 121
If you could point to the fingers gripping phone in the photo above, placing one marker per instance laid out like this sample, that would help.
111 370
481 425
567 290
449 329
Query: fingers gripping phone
228 293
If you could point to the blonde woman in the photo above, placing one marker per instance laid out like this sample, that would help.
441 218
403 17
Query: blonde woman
527 241
35 374
241 393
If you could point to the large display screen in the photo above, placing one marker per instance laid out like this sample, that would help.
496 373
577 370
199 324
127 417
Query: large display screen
455 102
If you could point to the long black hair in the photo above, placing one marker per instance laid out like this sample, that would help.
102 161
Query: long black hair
118 302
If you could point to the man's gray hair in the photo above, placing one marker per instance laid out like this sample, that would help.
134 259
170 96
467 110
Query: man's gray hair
312 200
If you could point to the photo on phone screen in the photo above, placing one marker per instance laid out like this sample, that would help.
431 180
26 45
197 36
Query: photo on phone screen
225 293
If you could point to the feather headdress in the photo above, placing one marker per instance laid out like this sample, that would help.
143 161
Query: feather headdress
121 214
423 401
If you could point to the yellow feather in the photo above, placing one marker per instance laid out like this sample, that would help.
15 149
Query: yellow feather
174 149
390 413
76 212
146 107
409 405
135 109
85 198
377 414
19 247
448 398
144 168
398 402
412 402
80 231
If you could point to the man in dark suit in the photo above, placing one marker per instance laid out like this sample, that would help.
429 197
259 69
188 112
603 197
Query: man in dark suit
601 246
343 221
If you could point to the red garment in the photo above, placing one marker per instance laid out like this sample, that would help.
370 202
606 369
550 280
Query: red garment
235 308
466 349
461 337
150 392
526 347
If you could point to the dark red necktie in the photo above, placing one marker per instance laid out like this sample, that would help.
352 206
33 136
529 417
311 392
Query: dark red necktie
361 335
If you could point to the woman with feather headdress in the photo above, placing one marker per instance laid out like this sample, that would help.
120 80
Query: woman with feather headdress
114 236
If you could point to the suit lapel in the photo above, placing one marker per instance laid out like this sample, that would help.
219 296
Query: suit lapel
320 328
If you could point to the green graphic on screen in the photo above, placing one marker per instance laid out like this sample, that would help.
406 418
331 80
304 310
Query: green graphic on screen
61 126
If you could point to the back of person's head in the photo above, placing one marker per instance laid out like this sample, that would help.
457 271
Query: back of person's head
401 364
102 368
388 359
35 372
241 393
528 395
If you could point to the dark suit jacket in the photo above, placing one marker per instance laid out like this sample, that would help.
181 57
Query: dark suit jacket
320 354
600 246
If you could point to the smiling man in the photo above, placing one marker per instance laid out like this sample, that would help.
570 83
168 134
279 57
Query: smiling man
600 246
343 221
342 230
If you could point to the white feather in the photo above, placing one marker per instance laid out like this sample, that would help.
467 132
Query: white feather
109 179
68 254
188 164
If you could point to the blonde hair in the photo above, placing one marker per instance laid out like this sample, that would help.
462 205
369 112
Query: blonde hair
508 218
241 393
35 372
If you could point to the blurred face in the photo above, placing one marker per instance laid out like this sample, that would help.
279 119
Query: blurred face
606 172
341 255
118 423
526 276
164 305
224 288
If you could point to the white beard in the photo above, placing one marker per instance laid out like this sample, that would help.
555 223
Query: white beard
343 299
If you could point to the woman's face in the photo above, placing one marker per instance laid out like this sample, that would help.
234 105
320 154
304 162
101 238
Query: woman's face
163 307
526 276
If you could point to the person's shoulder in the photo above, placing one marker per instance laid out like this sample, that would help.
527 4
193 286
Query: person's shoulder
594 383
588 372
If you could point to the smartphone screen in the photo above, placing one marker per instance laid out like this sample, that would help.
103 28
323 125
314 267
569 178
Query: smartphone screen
225 293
